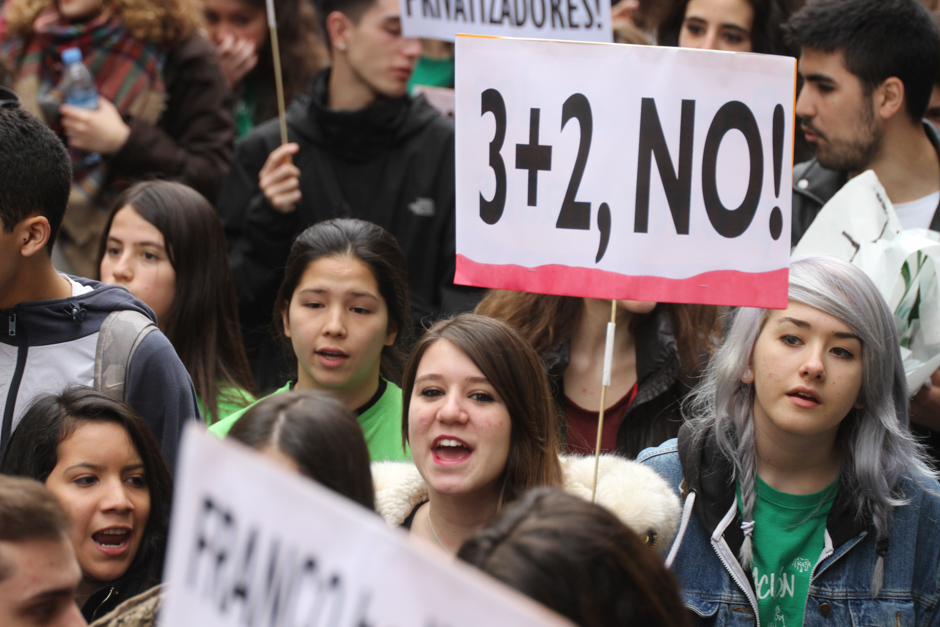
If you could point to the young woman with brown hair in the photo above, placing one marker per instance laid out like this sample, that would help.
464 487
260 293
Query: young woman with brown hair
658 348
479 418
164 243
343 308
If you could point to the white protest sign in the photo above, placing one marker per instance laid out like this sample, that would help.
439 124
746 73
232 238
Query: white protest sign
628 172
255 546
575 20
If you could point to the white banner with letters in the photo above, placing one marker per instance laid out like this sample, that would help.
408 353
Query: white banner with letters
253 545
574 20
628 172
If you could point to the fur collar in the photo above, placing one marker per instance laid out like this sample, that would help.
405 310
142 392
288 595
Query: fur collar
635 493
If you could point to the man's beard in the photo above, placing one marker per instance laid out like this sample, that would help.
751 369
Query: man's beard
855 154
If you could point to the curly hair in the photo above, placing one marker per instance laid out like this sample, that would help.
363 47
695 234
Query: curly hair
167 22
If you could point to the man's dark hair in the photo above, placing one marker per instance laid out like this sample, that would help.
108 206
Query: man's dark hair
35 171
28 511
353 9
879 39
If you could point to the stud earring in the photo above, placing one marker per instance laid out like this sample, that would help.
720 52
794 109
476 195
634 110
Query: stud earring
747 376
341 46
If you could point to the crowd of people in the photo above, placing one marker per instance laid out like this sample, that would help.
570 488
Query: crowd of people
166 259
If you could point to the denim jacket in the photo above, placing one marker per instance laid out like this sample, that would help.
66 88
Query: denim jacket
718 591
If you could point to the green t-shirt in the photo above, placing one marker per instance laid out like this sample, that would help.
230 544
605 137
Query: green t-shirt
380 420
433 72
229 401
788 538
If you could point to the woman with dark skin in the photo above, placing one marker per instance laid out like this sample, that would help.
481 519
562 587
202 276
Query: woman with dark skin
101 461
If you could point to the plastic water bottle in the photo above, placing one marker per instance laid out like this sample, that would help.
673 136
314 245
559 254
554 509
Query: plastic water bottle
80 90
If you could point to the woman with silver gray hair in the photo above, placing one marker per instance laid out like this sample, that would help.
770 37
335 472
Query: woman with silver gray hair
807 501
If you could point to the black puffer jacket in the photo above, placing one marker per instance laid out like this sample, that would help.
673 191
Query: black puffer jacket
655 414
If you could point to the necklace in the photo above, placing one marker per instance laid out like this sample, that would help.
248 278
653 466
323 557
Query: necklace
436 537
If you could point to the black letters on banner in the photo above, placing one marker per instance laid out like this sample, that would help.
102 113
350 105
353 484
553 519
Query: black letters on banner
732 222
678 188
574 214
492 210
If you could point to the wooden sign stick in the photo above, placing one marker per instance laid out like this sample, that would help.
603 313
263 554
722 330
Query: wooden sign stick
608 366
278 79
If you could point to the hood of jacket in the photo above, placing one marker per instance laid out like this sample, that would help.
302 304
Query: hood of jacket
638 496
710 475
357 136
64 319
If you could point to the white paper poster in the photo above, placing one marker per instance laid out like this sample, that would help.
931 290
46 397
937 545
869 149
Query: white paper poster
255 546
629 172
574 20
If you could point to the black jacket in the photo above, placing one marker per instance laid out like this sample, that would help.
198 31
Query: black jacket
814 185
391 163
655 415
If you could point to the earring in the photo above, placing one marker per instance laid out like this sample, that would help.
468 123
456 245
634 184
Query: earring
341 46
747 377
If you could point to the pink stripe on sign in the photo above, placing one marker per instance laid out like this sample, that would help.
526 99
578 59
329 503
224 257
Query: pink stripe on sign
722 287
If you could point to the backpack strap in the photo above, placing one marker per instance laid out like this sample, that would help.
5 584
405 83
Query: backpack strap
120 335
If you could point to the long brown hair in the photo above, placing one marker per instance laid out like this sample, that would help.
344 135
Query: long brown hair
202 323
319 434
546 320
165 22
578 559
303 52
515 371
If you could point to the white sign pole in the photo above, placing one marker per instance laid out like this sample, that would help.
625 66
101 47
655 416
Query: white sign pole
624 172
278 77
605 383
252 544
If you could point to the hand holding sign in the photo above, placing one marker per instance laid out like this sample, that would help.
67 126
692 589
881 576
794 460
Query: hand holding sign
546 205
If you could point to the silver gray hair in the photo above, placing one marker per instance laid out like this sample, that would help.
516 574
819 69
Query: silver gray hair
875 442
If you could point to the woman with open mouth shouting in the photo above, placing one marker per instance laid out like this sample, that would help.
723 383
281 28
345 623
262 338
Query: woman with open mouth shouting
343 306
101 461
479 417
807 499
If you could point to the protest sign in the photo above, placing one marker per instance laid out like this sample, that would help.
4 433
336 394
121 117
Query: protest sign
576 20
253 545
627 172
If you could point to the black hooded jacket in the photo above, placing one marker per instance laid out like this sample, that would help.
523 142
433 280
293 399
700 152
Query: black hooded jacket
391 163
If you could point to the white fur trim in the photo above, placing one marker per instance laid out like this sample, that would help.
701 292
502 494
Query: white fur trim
638 496
398 487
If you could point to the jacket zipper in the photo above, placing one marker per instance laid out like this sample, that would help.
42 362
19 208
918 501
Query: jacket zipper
727 560
111 593
826 553
6 424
